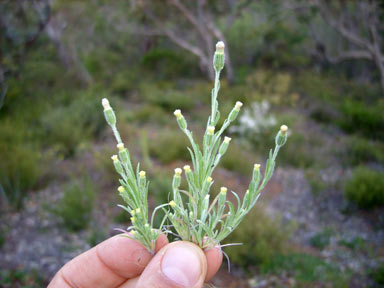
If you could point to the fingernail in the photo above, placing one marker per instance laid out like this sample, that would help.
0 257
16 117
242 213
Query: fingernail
182 266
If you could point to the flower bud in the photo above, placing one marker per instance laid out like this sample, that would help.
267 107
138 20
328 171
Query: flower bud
209 179
224 146
178 172
187 168
172 204
124 155
117 165
110 116
180 119
142 174
238 105
133 219
115 158
138 210
105 104
211 130
120 146
235 111
223 190
281 137
133 232
219 57
121 189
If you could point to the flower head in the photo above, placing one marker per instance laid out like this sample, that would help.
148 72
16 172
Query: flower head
220 47
284 129
120 146
142 174
211 130
106 104
121 189
178 114
238 105
223 190
178 171
114 158
187 168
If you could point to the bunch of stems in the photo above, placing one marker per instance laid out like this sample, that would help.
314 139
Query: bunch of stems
133 189
199 219
195 217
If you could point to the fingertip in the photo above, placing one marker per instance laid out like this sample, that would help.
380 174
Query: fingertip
214 259
161 242
179 264
124 256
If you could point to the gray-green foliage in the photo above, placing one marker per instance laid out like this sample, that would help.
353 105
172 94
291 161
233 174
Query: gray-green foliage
365 188
198 219
75 208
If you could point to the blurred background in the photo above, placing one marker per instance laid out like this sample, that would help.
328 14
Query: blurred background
317 66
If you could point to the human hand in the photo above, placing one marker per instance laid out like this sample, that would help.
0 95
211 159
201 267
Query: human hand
123 262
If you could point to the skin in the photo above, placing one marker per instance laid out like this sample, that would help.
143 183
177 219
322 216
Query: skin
123 262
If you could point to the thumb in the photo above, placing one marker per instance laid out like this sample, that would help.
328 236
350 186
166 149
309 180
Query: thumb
179 264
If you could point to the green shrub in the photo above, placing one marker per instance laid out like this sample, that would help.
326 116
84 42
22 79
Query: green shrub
168 64
237 160
10 278
360 151
165 95
153 114
365 188
363 119
96 236
322 239
307 269
169 146
76 206
298 152
377 275
356 243
20 162
70 124
262 237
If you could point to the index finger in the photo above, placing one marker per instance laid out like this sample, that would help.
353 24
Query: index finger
109 264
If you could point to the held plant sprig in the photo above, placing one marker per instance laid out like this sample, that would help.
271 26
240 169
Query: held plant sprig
133 189
200 220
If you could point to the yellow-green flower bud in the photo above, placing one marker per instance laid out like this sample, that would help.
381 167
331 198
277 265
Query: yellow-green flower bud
223 190
117 165
172 204
108 112
281 137
133 219
224 146
209 179
133 232
235 111
238 105
219 57
142 174
180 119
115 158
178 172
120 146
121 189
211 130
138 210
187 168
